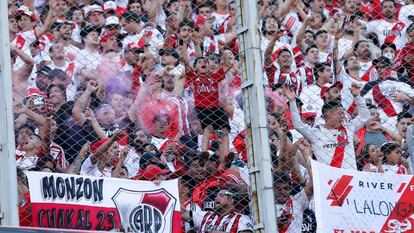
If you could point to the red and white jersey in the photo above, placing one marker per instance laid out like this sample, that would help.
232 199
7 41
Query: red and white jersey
190 206
388 32
71 52
368 72
22 42
24 39
210 221
292 211
307 75
218 19
211 44
291 24
72 71
28 162
381 94
58 154
156 40
395 169
293 79
278 46
347 99
334 147
89 169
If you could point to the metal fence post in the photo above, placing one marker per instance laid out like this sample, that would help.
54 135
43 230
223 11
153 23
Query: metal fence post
8 194
256 117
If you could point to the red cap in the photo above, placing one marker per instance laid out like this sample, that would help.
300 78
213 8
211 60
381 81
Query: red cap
104 38
97 144
328 86
153 171
200 20
33 91
309 114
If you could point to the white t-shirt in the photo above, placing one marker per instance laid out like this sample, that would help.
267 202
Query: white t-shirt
311 99
87 59
89 169
210 221
293 210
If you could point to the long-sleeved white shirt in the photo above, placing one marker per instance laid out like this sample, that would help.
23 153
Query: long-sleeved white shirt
325 141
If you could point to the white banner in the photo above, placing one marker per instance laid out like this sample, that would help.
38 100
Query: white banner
97 203
349 201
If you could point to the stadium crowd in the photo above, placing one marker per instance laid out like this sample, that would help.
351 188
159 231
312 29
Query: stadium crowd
152 90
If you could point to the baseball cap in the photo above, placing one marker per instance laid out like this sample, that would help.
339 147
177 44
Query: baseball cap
383 61
109 6
57 74
23 10
33 92
92 8
388 45
171 52
45 70
104 38
112 20
328 86
152 171
88 29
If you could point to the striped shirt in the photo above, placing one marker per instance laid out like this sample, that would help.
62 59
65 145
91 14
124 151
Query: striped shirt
210 221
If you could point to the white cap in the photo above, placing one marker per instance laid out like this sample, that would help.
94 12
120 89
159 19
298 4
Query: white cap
92 8
111 20
109 5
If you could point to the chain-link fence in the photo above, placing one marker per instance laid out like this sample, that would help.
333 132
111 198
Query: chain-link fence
151 90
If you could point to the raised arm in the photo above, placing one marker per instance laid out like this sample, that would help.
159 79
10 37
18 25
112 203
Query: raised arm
363 113
82 103
106 145
75 167
306 130
49 19
269 50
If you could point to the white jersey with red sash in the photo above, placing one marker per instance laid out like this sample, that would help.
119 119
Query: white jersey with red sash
395 169
347 99
291 213
218 20
333 147
156 40
367 72
380 95
389 32
210 44
210 221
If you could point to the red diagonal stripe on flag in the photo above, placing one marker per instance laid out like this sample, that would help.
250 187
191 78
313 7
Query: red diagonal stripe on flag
400 189
340 190
402 209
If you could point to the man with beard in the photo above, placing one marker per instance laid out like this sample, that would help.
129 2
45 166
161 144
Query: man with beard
137 139
367 70
94 15
65 38
224 217
389 30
